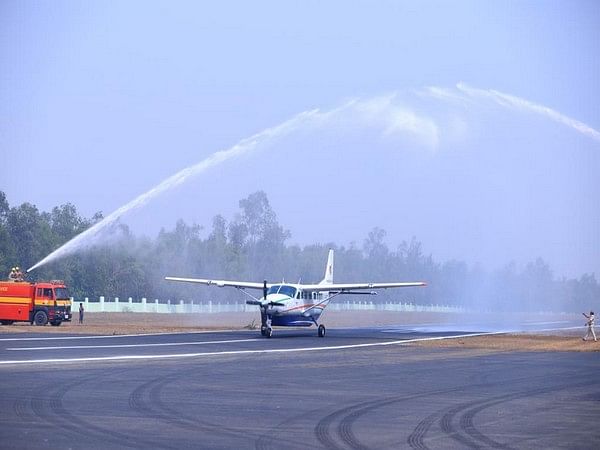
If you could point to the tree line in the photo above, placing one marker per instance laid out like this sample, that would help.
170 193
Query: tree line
254 246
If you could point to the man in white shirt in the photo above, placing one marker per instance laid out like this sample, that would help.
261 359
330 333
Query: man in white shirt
590 325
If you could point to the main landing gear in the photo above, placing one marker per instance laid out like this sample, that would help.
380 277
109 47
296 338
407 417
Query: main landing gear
321 330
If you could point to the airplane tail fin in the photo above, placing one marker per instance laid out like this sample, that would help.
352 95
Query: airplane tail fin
328 269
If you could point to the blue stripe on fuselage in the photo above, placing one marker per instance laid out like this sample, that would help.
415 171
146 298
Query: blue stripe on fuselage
291 321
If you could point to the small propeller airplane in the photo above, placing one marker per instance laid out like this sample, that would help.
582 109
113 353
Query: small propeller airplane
297 305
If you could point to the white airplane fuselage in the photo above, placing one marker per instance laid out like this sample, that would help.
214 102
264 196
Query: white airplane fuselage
289 305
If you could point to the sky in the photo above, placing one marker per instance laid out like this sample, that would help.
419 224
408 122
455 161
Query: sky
469 125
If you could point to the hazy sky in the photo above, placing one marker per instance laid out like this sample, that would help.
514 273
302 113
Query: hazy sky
101 101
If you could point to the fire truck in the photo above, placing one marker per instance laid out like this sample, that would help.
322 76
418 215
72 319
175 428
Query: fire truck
40 303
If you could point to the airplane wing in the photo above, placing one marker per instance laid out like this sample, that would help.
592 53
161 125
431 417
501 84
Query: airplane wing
221 283
355 286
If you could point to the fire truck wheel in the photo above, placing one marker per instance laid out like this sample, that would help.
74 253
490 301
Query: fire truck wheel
6 322
40 318
55 324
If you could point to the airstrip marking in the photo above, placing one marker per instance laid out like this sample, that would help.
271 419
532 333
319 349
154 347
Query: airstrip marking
237 352
162 344
107 336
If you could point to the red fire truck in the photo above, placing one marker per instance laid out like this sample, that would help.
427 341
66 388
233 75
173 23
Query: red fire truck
39 303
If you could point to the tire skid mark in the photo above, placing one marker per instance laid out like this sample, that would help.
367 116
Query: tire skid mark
147 400
469 435
90 429
448 427
183 420
138 403
139 399
47 404
264 441
416 438
350 414
322 431
42 399
101 433
466 423
347 424
21 410
466 420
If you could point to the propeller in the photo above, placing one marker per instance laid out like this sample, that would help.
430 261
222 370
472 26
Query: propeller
265 290
263 302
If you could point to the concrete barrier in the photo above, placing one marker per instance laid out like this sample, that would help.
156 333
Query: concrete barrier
208 307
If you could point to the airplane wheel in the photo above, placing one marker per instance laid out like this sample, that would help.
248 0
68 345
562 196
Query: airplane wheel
269 332
321 330
263 331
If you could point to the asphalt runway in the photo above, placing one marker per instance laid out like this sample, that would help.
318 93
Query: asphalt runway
356 388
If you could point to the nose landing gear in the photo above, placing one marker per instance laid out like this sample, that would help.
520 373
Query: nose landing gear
265 326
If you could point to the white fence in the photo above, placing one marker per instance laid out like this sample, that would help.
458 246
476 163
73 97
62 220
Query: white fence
208 307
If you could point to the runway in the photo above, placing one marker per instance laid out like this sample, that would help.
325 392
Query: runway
356 388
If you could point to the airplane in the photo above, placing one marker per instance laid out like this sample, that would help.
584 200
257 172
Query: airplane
297 305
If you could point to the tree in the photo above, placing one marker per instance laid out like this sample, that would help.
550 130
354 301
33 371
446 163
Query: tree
538 286
66 223
30 233
266 243
4 208
375 247
261 220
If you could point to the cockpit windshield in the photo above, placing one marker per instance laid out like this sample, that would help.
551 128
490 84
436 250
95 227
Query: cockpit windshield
61 293
289 291
274 289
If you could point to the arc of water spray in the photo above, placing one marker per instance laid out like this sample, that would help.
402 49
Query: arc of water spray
244 146
380 108
512 101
